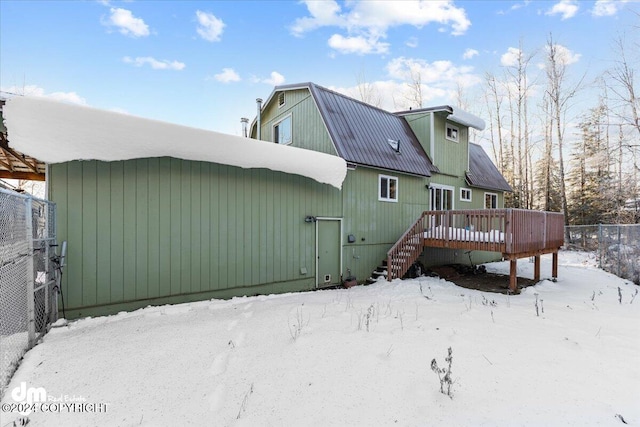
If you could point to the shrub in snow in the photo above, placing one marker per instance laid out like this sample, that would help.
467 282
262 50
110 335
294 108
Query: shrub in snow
444 374
296 325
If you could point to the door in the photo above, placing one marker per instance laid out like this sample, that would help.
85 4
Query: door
328 252
441 199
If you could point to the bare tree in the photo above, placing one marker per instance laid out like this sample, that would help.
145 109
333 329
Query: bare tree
367 92
559 96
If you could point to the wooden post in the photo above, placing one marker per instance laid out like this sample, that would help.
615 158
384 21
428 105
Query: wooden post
536 268
513 280
554 265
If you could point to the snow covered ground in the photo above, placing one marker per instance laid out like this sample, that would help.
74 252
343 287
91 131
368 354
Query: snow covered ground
358 356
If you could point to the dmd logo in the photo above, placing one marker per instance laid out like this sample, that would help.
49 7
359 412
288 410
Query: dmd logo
28 395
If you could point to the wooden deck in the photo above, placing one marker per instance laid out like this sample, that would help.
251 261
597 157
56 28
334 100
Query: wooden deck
515 233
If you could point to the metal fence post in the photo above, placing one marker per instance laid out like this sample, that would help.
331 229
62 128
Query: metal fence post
600 245
619 250
31 319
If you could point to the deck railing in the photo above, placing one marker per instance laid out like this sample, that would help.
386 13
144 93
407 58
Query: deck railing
511 232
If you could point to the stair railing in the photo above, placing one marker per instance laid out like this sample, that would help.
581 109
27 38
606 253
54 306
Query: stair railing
406 250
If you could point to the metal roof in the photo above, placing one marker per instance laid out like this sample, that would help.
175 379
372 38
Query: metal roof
482 172
368 136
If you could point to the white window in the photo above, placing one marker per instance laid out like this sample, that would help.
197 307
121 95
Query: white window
490 201
441 197
282 131
387 188
452 133
465 195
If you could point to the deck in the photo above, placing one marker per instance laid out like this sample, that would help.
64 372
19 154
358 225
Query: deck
515 233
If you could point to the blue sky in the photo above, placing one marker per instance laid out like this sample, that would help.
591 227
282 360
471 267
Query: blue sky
203 63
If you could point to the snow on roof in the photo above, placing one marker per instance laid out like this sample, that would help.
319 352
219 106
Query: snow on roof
455 114
467 119
56 132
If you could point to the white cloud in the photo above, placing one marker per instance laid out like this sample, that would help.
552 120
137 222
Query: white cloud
470 53
209 27
227 75
358 45
607 7
436 72
566 56
440 81
275 79
33 90
154 63
566 8
412 42
510 57
127 24
366 22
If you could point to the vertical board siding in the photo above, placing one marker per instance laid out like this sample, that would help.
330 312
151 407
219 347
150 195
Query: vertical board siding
379 223
153 228
308 129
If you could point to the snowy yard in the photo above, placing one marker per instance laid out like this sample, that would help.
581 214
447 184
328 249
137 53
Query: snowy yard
358 356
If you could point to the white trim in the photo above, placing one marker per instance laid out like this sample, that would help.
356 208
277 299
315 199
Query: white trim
273 129
432 136
462 199
485 200
389 178
324 218
457 129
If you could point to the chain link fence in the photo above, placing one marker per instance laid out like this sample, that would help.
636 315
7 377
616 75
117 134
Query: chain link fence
617 246
29 276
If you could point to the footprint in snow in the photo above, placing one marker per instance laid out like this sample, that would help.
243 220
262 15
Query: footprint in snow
219 364
216 400
232 325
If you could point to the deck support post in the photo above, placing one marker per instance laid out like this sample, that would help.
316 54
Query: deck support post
554 265
513 269
536 268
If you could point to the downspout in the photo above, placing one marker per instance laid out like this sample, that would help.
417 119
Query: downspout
259 106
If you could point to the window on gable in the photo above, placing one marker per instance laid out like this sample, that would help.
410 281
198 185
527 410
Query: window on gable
281 99
452 133
387 188
490 201
282 131
465 195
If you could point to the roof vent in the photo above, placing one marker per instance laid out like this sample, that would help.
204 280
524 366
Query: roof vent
280 99
395 144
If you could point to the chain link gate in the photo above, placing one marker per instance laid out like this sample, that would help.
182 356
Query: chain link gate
29 276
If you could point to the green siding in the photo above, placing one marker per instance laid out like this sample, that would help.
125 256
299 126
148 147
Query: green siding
308 129
379 223
420 123
148 229
452 158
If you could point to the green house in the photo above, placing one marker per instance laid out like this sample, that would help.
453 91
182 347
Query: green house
400 164
329 187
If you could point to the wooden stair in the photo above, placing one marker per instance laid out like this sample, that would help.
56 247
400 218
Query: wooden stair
406 251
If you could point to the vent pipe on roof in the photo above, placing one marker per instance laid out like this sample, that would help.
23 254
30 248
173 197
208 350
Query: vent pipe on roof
259 106
245 123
